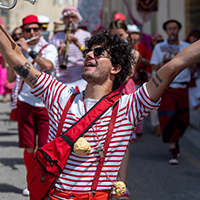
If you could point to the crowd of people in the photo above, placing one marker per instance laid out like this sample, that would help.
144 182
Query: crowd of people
91 65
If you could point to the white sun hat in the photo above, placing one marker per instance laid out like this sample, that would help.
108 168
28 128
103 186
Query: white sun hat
71 10
133 28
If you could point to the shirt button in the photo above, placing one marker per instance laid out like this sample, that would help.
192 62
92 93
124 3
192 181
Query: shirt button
71 196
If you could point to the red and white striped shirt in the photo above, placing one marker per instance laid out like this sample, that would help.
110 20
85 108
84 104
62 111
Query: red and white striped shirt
79 171
74 56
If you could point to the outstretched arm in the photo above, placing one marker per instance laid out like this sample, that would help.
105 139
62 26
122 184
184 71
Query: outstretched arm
166 74
15 59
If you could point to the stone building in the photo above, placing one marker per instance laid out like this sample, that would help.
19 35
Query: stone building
185 11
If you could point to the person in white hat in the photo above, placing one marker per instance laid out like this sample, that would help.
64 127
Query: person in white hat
44 23
142 72
135 40
72 73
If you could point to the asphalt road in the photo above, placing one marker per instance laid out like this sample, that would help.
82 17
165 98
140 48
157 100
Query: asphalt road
150 177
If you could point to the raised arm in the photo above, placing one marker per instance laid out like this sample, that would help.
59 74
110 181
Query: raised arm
15 59
166 74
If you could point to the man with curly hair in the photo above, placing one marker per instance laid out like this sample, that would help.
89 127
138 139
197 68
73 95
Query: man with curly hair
107 63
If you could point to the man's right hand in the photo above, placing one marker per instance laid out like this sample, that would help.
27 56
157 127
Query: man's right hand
23 44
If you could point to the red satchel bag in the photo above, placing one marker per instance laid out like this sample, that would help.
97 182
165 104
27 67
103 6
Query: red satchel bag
50 160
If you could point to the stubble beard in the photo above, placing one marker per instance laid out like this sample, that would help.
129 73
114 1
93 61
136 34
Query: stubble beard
91 78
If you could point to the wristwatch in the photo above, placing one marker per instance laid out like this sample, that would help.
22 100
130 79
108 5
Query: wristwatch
33 54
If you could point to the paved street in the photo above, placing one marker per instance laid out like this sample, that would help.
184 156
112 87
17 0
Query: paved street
150 177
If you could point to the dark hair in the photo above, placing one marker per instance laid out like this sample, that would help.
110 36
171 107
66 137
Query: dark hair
195 33
13 32
119 24
120 53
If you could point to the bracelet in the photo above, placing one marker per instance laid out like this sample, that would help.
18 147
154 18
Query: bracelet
33 54
82 48
28 50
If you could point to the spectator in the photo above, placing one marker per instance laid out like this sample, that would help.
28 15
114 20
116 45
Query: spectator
44 22
118 27
143 71
173 111
119 16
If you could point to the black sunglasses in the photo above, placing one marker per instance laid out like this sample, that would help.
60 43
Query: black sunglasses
158 41
96 51
16 34
28 30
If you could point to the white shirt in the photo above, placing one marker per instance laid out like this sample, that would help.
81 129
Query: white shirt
160 50
51 54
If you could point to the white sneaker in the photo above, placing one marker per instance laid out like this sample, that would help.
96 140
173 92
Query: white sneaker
25 192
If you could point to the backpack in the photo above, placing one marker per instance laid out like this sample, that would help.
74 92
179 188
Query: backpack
50 160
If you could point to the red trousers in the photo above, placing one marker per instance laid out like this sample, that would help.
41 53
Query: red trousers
174 114
81 196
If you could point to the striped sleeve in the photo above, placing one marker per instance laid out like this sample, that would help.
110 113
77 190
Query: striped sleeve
139 105
49 90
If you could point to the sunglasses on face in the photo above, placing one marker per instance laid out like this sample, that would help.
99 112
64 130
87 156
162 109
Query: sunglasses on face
68 17
17 34
28 30
96 51
158 41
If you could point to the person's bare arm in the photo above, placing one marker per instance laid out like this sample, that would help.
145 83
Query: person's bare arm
165 75
15 59
11 74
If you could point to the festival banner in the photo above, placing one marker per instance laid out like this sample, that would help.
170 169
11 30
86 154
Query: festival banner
147 8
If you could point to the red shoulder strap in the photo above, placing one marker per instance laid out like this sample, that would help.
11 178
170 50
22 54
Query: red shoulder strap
63 116
105 149
80 127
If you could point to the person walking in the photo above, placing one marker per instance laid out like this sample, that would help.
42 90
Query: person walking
108 62
70 73
174 109
119 28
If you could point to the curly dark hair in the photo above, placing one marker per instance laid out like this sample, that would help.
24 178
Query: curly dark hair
120 53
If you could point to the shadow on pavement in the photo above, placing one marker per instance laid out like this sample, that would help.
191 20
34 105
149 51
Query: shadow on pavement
11 162
9 143
9 188
4 113
8 134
